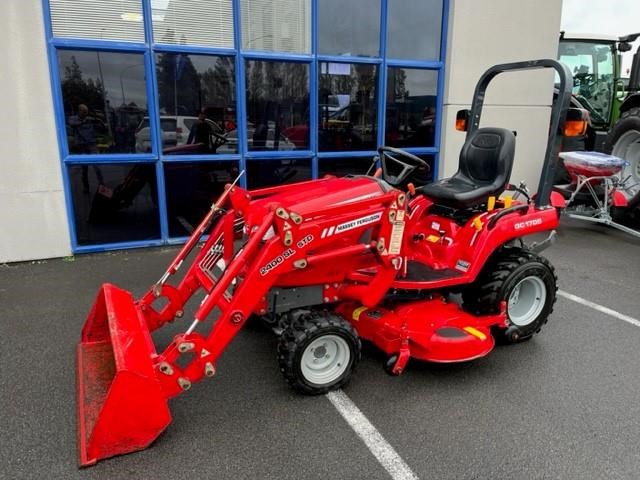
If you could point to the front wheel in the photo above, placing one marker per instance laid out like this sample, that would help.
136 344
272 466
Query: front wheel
318 352
528 284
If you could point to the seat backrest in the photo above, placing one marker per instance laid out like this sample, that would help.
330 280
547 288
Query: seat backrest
487 157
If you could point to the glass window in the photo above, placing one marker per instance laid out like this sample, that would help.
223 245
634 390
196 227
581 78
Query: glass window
190 190
413 29
277 99
349 28
344 166
98 20
269 173
105 100
593 79
114 203
193 22
196 94
347 105
283 26
411 107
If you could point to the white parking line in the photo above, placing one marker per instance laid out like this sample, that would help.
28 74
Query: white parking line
600 308
375 442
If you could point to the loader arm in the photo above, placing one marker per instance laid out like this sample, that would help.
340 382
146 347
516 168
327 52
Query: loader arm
253 245
237 278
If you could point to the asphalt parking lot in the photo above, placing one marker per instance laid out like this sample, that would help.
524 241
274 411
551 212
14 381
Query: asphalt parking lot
564 405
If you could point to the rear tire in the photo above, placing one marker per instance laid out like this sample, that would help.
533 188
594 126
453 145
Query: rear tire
526 281
318 352
623 141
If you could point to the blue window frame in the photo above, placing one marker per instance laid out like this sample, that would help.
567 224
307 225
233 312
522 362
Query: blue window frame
166 165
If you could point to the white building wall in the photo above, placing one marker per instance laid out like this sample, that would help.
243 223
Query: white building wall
488 32
33 219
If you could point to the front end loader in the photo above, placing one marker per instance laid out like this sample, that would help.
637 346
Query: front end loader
332 262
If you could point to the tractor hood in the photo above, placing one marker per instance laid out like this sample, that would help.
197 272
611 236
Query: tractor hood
309 198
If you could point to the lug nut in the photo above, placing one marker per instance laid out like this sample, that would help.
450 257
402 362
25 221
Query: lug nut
209 369
297 219
185 347
166 368
282 213
302 263
184 383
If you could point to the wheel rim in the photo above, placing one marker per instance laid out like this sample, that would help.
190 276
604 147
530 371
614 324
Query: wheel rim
628 147
526 301
325 359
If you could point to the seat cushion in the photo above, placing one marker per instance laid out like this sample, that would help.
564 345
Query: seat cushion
457 192
484 169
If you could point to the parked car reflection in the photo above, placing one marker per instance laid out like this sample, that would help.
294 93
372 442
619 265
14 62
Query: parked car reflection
227 143
175 131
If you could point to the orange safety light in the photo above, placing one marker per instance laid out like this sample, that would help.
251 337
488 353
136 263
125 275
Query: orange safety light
462 120
576 123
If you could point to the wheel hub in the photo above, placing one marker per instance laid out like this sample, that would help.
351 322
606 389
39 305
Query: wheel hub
325 359
526 301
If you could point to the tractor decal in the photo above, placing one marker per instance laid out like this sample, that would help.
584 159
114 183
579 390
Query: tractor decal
527 224
305 241
358 222
463 265
277 261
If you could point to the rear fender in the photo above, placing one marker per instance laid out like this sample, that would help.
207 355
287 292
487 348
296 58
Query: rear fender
508 228
557 200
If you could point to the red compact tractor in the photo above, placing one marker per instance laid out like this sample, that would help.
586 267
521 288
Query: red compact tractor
333 261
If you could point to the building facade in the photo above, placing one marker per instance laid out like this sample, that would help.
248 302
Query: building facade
126 117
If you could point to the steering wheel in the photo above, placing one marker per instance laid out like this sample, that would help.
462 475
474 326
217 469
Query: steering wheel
410 163
585 82
217 140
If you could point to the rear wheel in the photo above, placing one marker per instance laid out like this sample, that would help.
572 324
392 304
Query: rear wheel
318 352
525 281
624 141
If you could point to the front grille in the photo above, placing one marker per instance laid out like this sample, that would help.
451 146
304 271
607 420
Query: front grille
209 263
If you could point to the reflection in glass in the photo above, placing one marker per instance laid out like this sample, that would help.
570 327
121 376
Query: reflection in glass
282 26
413 29
347 104
114 203
277 99
193 22
98 20
191 188
411 107
196 94
105 99
269 173
344 166
349 28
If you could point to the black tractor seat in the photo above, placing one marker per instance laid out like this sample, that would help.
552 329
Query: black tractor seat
484 168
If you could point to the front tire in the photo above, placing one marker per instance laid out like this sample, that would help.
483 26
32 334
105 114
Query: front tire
318 352
526 281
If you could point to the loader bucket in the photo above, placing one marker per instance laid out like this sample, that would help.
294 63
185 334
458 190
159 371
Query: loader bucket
121 405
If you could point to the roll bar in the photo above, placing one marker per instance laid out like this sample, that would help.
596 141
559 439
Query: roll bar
558 115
